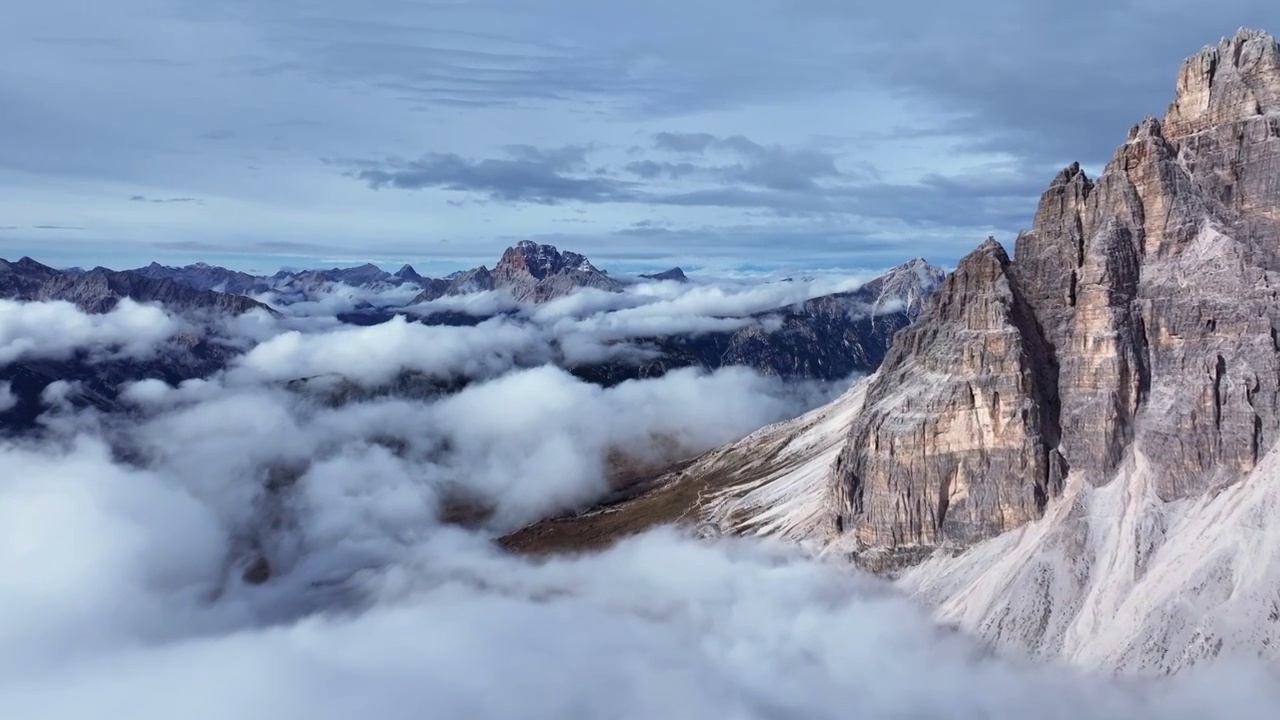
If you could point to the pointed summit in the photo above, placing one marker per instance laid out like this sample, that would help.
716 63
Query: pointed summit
409 275
1235 80
675 274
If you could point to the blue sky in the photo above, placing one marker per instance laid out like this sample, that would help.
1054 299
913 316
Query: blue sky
810 133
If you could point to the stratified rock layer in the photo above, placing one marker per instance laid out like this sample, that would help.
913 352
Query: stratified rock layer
956 438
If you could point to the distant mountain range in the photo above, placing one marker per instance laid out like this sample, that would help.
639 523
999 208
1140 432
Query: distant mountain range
827 338
100 289
529 271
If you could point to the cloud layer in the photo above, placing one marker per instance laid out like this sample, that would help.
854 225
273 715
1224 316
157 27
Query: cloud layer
239 545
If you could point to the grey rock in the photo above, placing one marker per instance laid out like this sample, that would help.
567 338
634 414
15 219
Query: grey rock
956 439
408 275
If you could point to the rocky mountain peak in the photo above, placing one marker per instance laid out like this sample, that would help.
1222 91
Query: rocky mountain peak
541 261
675 274
1149 128
408 274
908 285
1234 81
955 441
1069 175
533 272
1137 318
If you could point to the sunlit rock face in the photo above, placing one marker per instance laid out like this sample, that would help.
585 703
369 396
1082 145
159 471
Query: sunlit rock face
956 438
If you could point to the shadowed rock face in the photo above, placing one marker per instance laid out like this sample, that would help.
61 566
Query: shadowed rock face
1140 313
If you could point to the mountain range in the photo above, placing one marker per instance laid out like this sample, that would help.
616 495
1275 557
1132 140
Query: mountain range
100 289
529 271
828 337
1072 452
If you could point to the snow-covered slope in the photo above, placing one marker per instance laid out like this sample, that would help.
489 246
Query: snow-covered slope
779 474
1114 577
1111 577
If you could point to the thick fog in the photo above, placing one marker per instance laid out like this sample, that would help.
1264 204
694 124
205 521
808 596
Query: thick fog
133 546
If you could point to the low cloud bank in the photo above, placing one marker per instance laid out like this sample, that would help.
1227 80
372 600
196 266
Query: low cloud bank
117 597
57 329
233 546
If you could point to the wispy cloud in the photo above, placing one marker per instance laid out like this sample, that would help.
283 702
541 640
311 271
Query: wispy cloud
179 200
762 113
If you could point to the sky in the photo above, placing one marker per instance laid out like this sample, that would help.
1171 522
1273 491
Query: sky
716 134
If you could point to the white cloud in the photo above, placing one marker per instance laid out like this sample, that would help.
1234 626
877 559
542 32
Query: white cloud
328 299
659 626
125 538
480 304
7 399
374 355
586 327
58 329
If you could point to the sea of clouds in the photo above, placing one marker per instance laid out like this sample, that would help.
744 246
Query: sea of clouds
125 538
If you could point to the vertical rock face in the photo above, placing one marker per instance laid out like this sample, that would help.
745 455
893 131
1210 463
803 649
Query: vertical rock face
1140 315
956 439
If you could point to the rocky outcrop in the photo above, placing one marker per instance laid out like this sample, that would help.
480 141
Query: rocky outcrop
957 438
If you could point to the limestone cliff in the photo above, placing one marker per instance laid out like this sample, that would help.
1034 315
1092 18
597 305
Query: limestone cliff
957 436
1139 314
